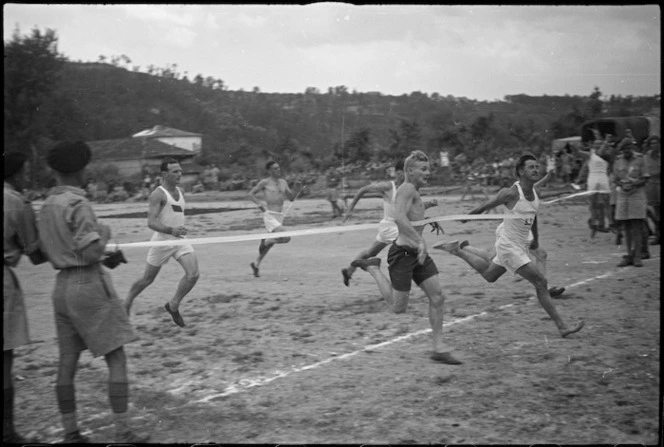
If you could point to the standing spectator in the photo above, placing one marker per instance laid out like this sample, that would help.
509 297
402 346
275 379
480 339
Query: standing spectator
543 162
147 181
597 181
653 163
567 161
214 174
20 237
88 313
207 177
334 179
631 175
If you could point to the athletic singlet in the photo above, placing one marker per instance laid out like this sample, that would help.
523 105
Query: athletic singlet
517 230
388 205
172 214
597 165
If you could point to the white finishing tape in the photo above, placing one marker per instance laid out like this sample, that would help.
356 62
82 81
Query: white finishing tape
307 232
314 231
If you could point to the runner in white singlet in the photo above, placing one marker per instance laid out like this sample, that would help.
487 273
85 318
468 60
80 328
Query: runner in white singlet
512 240
166 218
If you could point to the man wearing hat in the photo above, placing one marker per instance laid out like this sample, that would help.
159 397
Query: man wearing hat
88 312
20 237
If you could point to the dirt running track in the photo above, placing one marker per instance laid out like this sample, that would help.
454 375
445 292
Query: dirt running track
296 357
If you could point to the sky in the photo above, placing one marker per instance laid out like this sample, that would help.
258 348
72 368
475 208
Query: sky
481 52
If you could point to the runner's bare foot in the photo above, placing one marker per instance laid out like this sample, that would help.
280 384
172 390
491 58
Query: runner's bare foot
255 269
567 331
452 247
346 274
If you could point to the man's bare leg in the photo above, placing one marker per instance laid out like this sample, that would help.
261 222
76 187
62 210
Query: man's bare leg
476 259
265 246
539 254
532 275
398 302
441 353
372 266
137 287
370 252
189 263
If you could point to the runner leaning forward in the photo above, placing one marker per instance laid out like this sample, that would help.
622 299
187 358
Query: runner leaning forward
408 259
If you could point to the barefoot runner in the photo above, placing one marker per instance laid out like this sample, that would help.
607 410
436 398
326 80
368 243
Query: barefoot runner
387 227
408 259
511 247
275 192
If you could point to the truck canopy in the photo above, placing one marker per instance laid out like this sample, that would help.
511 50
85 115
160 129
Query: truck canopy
642 127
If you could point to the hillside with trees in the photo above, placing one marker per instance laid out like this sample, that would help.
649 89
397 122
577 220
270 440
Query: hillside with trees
49 98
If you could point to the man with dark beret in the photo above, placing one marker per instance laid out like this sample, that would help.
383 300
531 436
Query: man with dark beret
88 312
20 238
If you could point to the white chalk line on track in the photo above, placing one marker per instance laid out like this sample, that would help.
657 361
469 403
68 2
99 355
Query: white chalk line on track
248 383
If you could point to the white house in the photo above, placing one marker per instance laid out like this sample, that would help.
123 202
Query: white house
173 137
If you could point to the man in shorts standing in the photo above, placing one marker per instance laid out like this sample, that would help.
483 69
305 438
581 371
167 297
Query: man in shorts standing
408 259
511 248
166 218
20 238
88 313
275 191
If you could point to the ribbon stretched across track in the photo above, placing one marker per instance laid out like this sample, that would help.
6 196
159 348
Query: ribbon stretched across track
306 232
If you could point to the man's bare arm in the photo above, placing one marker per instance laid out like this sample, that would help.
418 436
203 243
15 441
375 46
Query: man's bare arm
504 196
255 190
156 202
373 187
299 186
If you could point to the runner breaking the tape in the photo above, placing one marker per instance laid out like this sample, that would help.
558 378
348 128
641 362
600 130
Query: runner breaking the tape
408 259
512 240
166 218
387 227
275 192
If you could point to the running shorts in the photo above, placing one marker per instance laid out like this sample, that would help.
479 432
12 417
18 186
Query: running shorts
404 268
272 220
387 231
158 256
509 255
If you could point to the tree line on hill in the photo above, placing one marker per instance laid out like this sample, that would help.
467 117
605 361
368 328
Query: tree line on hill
50 98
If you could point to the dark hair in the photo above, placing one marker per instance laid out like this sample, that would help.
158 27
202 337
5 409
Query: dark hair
165 162
522 162
269 164
14 161
398 166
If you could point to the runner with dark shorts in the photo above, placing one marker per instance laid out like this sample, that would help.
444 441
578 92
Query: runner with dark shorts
404 268
408 259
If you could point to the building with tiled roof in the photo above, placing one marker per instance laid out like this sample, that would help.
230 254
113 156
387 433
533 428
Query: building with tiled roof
184 140
136 156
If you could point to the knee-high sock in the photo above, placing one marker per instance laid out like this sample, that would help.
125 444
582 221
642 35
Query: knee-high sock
118 395
66 396
8 412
